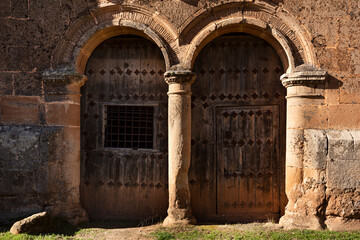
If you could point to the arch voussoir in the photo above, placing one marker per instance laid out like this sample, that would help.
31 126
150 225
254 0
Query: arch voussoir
110 21
264 21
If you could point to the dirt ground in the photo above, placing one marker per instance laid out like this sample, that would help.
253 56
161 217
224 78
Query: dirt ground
142 233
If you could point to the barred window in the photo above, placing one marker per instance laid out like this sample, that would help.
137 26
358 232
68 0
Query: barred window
129 127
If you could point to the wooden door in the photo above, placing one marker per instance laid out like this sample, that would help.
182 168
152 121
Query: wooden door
238 131
124 132
248 160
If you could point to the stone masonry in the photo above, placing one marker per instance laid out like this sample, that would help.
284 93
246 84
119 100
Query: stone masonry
44 47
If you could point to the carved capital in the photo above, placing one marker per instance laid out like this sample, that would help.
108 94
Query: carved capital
63 76
304 75
63 84
180 77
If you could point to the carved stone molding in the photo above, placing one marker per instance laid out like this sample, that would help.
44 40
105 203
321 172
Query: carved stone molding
304 75
105 22
180 77
63 84
63 76
273 24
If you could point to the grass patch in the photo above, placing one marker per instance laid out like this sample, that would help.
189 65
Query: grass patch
205 233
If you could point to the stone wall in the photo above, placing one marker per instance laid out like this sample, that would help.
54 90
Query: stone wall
34 175
329 194
36 172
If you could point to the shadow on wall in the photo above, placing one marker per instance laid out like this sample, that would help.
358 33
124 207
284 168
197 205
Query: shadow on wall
333 83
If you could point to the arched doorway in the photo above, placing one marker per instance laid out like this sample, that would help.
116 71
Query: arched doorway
124 131
238 131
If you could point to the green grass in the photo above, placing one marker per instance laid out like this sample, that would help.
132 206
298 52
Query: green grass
9 236
201 233
59 230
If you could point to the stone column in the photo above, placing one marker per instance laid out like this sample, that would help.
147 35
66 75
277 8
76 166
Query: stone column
179 211
305 110
62 113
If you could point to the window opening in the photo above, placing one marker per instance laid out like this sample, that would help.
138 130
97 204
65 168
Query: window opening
129 127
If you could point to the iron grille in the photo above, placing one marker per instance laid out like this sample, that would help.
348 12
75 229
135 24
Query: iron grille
129 127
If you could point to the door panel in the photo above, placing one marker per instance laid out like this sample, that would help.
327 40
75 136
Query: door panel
240 75
247 157
124 183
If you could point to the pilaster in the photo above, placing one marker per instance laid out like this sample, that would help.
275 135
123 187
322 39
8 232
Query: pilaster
62 108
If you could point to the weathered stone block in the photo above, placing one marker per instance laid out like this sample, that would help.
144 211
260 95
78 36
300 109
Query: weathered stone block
19 58
27 84
307 116
334 59
355 59
18 206
343 174
350 91
20 8
13 182
19 148
63 114
344 116
19 110
342 224
341 145
294 177
6 86
315 148
344 203
4 8
313 174
4 57
294 145
356 137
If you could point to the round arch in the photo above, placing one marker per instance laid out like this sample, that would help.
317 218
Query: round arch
88 32
275 40
276 27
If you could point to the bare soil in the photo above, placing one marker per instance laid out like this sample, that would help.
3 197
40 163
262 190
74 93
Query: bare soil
144 233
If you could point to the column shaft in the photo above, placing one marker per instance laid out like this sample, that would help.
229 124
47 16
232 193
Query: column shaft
179 212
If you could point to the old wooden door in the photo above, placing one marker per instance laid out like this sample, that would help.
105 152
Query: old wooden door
124 132
238 131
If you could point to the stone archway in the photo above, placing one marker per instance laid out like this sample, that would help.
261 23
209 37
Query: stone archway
62 83
294 48
278 28
103 23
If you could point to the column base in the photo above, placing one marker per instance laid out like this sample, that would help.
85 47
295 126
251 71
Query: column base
72 214
173 222
297 221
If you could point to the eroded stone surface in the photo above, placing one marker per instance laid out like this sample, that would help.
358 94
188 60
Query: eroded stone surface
33 174
326 198
34 224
